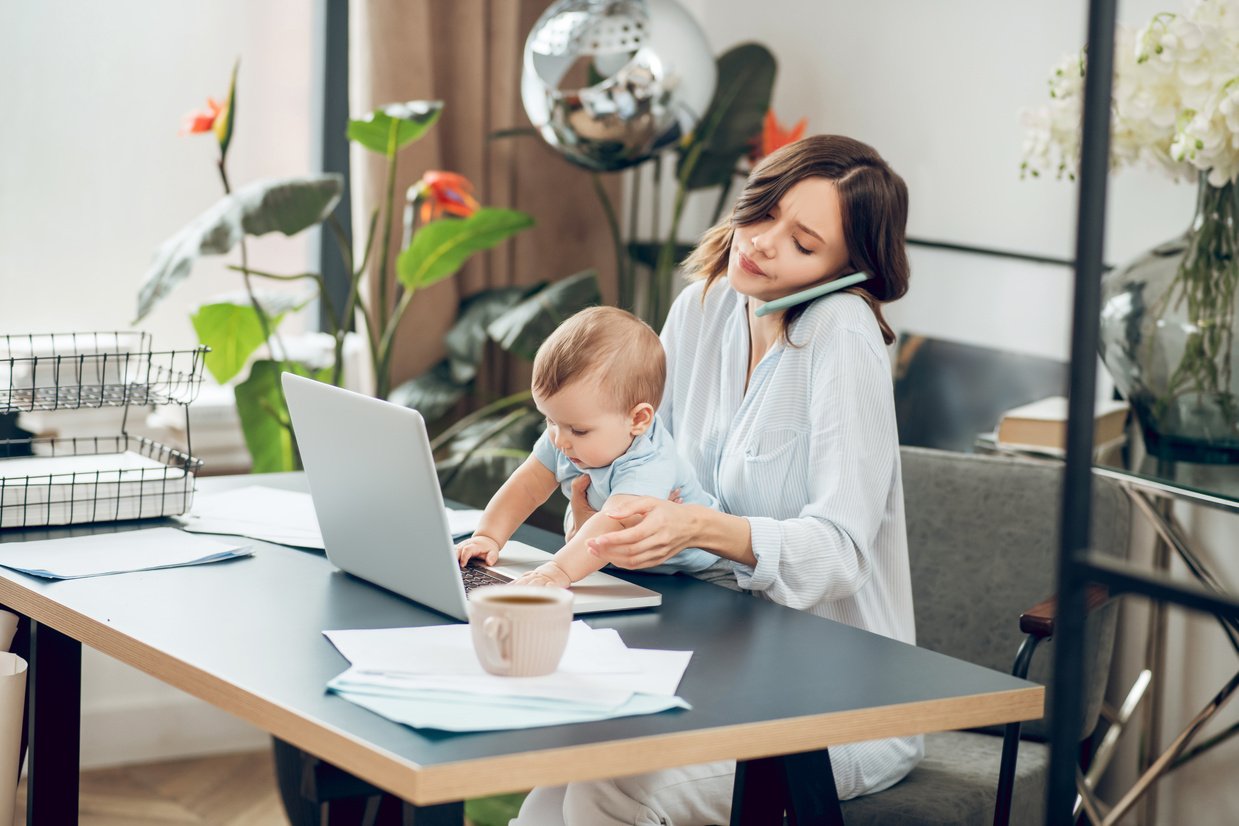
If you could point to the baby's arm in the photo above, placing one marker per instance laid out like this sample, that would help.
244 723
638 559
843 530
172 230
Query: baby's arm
573 562
526 489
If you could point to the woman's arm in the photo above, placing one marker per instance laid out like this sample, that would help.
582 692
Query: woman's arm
526 489
660 529
824 552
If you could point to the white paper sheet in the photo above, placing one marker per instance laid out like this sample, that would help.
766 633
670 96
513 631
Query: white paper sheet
429 677
114 553
446 713
655 672
448 649
284 517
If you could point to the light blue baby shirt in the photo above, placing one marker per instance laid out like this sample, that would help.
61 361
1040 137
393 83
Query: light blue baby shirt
650 467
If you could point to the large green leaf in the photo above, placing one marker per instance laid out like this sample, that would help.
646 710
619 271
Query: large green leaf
522 329
233 332
734 118
263 414
286 205
433 394
441 247
466 341
392 127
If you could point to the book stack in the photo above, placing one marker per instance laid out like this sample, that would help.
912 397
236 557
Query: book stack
1042 426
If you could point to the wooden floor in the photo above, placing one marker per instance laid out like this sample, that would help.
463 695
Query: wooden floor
228 790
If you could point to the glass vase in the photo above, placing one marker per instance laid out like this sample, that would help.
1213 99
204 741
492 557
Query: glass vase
1168 335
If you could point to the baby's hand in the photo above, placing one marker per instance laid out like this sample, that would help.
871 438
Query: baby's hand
482 546
548 575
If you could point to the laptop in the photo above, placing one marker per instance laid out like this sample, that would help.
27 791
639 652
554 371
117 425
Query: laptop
377 496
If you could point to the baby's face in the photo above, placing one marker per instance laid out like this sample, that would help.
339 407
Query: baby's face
580 422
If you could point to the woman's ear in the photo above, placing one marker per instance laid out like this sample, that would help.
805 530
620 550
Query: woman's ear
640 418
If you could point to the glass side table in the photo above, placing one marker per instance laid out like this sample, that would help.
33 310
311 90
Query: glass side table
1154 486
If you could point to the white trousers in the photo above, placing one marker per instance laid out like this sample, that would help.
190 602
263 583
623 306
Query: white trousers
687 796
700 795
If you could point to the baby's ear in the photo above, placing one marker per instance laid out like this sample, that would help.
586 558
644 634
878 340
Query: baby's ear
641 417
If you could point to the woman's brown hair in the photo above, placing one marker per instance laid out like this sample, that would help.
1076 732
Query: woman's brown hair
873 200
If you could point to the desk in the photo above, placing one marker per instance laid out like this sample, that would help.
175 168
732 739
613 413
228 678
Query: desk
245 636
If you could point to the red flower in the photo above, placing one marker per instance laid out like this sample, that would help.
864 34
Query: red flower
774 136
202 121
445 193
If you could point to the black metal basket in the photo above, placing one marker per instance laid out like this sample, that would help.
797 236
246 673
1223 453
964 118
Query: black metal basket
62 481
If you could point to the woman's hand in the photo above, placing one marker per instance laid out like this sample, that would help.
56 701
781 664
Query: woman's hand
664 529
579 511
482 546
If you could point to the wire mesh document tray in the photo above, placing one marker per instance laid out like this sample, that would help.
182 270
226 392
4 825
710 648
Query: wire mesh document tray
63 481
66 371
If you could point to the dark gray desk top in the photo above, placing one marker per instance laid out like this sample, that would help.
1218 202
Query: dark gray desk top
764 679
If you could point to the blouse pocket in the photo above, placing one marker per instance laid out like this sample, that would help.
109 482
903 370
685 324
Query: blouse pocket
773 479
777 445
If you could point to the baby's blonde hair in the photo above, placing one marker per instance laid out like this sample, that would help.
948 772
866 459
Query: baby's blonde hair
606 343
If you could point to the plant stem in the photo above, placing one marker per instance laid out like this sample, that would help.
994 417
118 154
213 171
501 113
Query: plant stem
621 256
491 432
481 413
268 334
1206 281
628 300
385 249
661 288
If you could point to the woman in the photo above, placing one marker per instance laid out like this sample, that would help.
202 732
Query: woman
789 420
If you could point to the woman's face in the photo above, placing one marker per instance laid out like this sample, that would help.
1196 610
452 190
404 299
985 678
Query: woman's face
797 245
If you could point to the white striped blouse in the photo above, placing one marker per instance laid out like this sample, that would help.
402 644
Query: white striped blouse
810 456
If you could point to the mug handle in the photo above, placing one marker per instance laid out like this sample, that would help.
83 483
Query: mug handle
498 631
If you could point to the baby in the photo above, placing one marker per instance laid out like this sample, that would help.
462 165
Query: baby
598 379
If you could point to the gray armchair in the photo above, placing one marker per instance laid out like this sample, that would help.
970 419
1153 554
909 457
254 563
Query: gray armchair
983 539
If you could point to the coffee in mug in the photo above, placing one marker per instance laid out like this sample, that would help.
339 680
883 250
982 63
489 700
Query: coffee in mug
520 630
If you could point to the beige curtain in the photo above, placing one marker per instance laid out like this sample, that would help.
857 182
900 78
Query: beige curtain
468 54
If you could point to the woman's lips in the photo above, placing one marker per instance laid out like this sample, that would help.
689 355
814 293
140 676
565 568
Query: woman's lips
748 266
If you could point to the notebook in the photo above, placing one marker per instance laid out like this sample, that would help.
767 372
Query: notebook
373 482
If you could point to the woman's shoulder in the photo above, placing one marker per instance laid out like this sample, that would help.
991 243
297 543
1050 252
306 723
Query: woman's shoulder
842 314
698 305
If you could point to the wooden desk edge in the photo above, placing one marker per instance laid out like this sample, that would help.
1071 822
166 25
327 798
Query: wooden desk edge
456 781
427 785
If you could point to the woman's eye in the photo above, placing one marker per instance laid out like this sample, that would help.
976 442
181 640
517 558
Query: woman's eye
802 249
576 432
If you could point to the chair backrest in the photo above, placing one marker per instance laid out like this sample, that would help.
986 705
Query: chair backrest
983 545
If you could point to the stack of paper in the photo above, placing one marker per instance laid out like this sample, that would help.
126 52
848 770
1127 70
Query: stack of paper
430 678
114 553
62 490
284 517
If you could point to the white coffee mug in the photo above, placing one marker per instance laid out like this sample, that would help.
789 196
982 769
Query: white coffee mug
520 630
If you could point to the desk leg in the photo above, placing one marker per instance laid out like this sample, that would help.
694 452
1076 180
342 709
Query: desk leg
53 717
444 814
803 785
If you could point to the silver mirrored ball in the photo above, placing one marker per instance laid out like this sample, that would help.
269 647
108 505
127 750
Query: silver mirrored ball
610 83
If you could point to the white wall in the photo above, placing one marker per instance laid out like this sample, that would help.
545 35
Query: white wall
937 88
93 176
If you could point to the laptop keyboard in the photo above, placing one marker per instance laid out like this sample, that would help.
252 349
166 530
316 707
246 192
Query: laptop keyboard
475 577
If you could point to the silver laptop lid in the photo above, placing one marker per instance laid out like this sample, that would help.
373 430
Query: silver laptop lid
371 475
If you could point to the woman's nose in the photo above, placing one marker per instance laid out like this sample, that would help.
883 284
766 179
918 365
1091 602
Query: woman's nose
758 243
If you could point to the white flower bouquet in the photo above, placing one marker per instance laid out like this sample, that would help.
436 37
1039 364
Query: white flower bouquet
1175 104
1168 317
